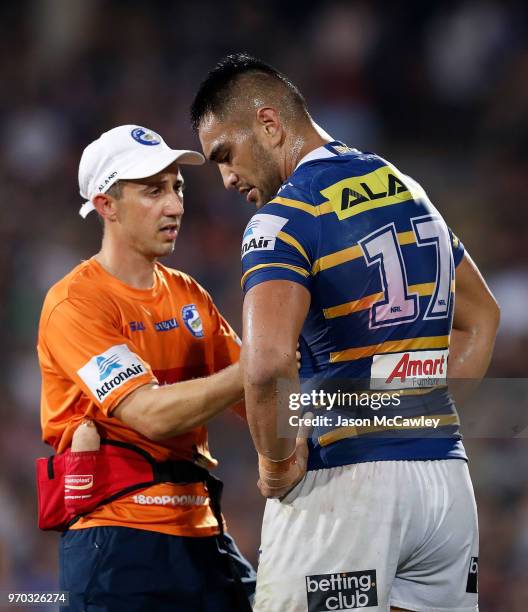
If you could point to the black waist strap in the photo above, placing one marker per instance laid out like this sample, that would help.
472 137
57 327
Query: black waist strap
178 472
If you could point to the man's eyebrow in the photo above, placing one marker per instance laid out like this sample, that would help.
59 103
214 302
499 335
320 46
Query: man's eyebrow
216 151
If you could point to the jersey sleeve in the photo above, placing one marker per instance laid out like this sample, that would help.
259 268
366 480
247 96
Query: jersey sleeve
457 247
86 347
280 243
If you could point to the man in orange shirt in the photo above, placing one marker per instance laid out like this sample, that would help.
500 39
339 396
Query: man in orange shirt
141 351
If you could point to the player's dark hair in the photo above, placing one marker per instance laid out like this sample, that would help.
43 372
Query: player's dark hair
116 190
215 94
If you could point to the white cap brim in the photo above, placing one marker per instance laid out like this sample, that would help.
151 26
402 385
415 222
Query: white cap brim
149 167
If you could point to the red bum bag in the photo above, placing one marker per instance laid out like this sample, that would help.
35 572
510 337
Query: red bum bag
72 484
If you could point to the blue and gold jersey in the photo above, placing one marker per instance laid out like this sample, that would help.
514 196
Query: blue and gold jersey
379 262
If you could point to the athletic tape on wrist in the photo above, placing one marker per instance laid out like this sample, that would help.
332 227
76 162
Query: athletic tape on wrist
277 466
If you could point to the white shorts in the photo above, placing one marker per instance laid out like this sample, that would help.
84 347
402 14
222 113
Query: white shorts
372 535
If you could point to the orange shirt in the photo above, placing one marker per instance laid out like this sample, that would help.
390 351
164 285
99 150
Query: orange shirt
100 339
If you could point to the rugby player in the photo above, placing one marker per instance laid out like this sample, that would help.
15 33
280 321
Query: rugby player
349 253
141 352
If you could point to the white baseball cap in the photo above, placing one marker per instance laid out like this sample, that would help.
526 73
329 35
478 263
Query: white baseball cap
125 152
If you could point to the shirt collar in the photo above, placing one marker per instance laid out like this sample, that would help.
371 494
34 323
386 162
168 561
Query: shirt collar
323 152
319 153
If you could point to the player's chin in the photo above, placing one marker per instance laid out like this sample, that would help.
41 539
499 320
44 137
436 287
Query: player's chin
165 248
264 196
260 200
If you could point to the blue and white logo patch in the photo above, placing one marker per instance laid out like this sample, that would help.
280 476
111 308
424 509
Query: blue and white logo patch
192 320
105 373
261 232
145 137
107 364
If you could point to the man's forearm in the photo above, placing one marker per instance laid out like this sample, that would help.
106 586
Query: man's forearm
470 352
266 402
171 410
269 360
475 322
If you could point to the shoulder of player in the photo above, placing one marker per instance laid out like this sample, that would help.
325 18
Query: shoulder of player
302 190
292 200
322 172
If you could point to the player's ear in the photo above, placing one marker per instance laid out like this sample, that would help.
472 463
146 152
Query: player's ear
270 125
105 205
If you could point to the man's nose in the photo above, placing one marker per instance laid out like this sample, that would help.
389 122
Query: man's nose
229 178
174 205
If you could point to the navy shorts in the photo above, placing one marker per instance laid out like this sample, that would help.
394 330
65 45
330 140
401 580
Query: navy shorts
116 568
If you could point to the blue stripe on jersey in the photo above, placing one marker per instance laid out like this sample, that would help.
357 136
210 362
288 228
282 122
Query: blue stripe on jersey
395 449
379 262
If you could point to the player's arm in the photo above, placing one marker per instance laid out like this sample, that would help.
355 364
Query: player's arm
170 410
273 315
279 248
475 323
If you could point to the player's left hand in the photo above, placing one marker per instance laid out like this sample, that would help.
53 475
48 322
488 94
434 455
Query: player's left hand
277 478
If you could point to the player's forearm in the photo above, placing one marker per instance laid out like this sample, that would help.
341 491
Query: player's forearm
470 350
171 410
267 388
269 361
475 322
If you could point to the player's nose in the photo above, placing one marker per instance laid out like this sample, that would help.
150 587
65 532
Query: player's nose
229 178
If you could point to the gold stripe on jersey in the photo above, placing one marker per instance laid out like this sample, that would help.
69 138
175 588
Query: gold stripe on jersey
311 209
294 243
356 194
337 258
351 253
297 269
341 310
420 391
354 306
355 431
406 238
391 346
424 289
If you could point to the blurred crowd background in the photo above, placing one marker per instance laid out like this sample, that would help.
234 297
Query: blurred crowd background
439 88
